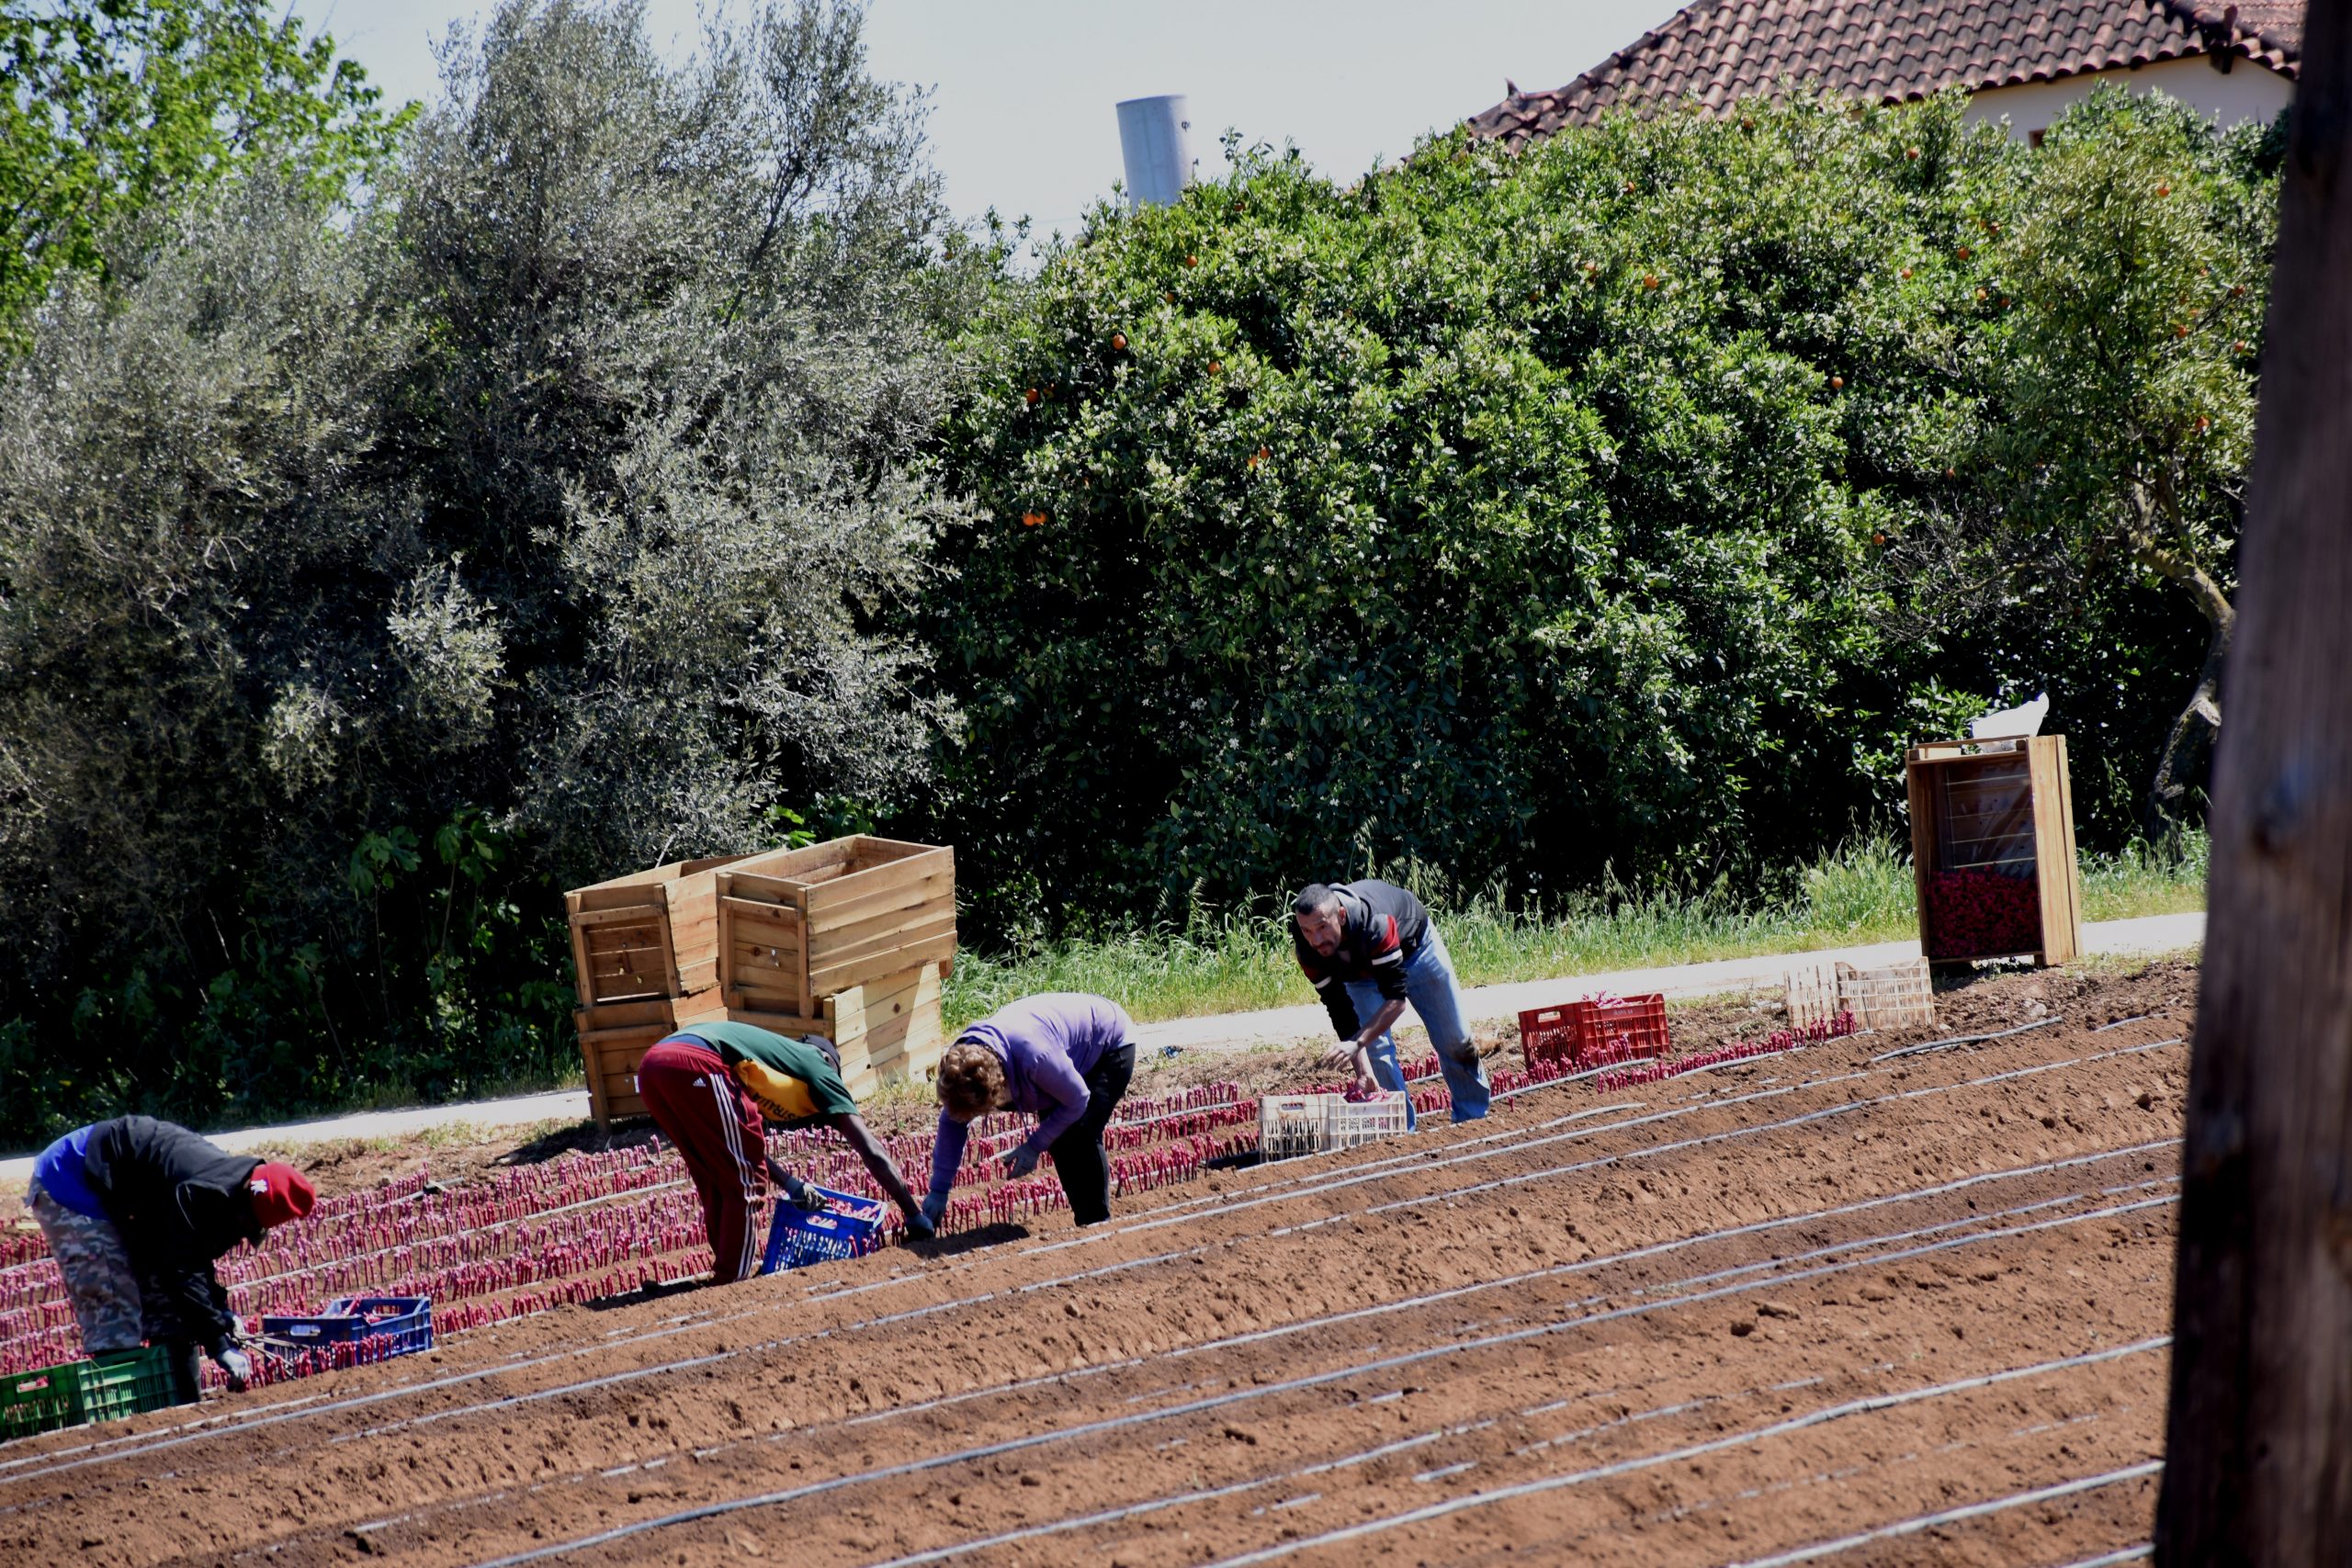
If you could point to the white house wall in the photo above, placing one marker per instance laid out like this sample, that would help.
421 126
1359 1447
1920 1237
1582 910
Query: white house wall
2246 92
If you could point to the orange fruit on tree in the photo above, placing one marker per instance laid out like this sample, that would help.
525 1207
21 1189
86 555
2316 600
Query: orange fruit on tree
1217 367
1031 397
1032 519
1118 342
1837 383
1191 261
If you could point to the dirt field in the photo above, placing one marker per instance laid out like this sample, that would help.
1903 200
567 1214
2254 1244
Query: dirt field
1915 1306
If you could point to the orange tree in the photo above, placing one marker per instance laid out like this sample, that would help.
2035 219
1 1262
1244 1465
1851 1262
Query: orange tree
1516 516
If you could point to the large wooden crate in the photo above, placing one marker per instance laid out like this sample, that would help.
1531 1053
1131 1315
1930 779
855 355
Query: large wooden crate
1997 808
851 939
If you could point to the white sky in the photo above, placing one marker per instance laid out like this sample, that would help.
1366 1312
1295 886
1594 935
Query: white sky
1021 116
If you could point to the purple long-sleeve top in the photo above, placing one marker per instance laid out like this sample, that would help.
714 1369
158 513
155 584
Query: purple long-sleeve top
1050 1044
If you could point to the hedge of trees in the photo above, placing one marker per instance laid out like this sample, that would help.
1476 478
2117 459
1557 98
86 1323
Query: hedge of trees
404 516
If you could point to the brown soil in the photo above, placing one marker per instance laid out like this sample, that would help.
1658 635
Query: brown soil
1743 1311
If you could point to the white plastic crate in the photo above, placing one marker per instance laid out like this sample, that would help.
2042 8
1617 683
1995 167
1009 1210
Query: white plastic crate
1290 1125
1901 996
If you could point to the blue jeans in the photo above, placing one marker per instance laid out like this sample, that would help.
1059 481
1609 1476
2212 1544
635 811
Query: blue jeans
1436 999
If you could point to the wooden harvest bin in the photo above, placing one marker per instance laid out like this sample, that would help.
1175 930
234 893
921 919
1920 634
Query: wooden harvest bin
851 939
1993 849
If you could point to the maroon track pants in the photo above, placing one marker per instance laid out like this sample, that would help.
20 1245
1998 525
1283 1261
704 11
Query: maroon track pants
715 1123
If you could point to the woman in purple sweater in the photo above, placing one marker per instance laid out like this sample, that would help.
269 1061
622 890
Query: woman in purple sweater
1064 1057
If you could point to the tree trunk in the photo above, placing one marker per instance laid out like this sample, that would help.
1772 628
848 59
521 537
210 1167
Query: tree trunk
2186 748
2259 1436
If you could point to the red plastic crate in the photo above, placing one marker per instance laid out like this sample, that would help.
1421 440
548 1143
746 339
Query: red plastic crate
1548 1034
1620 1031
1589 1034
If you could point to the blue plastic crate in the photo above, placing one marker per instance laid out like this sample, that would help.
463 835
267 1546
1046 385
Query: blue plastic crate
852 1226
405 1320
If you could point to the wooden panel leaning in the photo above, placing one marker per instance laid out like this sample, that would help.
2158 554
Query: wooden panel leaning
828 939
1993 849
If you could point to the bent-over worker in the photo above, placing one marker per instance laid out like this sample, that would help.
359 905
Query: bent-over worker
136 1210
709 1085
1064 1057
1370 947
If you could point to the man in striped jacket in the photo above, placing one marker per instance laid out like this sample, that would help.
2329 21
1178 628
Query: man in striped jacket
1370 948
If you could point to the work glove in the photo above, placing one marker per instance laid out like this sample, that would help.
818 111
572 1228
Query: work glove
922 1227
804 1196
1342 1055
238 1365
934 1208
1020 1161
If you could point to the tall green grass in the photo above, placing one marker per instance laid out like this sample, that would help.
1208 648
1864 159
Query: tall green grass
1861 893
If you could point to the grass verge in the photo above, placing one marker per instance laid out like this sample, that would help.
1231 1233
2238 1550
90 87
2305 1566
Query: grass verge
1862 893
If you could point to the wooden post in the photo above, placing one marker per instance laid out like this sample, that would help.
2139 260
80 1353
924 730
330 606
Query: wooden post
2258 1466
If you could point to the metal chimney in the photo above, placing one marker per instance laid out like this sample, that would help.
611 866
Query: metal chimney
1158 153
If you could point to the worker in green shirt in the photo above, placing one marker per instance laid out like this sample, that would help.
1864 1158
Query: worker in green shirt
710 1088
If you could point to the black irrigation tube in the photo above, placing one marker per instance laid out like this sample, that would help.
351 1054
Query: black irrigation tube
1290 1385
1157 1505
1305 1186
1583 1266
1957 1515
1738 1439
1959 1040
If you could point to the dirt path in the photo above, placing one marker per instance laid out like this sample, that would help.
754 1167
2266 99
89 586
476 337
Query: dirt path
1720 1319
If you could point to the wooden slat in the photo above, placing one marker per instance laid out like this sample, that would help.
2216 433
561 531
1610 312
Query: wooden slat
618 1015
858 972
845 1012
938 888
888 952
581 985
882 878
766 890
828 940
619 915
791 1024
781 916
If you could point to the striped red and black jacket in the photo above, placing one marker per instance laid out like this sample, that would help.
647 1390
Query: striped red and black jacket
1384 928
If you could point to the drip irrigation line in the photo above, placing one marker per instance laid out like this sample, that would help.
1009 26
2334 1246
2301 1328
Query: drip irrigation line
300 1409
1590 1265
1290 1385
1954 1515
1432 1298
1680 1145
2135 1018
1957 1040
1660 1290
2139 1553
1738 1440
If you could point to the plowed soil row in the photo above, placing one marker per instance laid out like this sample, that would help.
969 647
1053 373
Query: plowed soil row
1718 1319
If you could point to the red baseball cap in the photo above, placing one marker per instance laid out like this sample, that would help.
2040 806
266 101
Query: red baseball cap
280 1193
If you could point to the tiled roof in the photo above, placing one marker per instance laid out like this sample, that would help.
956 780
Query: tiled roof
1717 51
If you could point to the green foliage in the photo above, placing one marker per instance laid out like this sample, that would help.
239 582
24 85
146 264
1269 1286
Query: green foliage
372 574
119 111
1529 515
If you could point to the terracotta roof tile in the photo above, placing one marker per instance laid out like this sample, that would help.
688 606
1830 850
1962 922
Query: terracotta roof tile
1718 51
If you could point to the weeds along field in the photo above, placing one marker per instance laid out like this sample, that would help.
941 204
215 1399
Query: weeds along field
1856 1303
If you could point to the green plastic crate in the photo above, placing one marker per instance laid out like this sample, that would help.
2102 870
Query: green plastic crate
125 1384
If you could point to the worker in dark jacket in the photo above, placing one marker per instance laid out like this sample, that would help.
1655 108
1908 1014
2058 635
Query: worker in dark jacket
1370 947
136 1210
712 1087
